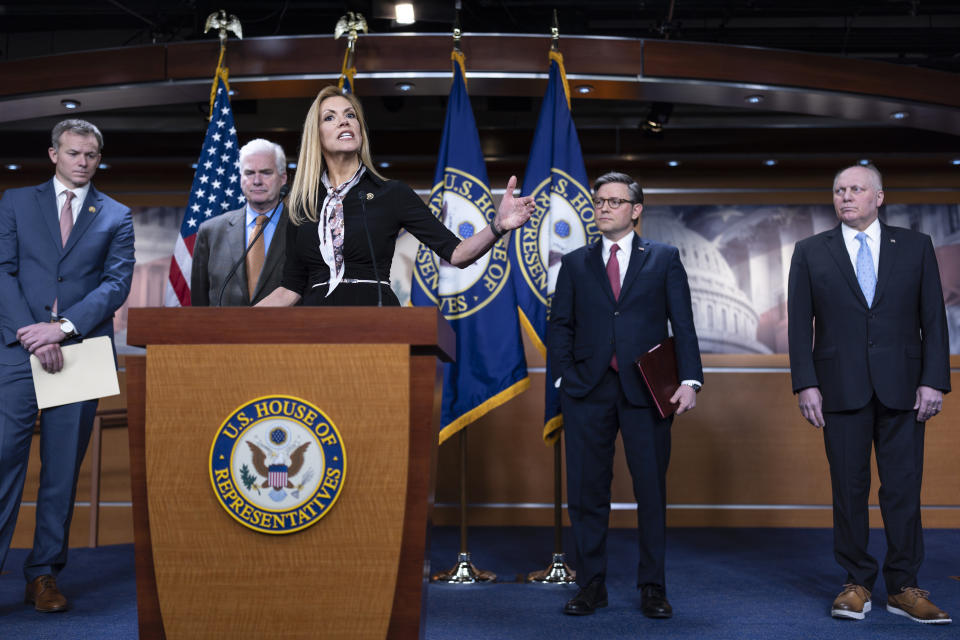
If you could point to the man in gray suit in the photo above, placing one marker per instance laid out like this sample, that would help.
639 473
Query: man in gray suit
66 263
221 241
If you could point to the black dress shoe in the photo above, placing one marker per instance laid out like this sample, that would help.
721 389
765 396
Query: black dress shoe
653 602
588 599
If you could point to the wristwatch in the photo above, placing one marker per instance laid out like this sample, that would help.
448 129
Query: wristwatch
68 329
693 385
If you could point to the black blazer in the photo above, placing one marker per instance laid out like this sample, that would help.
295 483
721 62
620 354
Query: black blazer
587 324
851 351
390 207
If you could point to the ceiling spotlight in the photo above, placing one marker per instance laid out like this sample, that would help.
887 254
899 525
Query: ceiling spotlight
232 92
673 163
291 165
12 167
103 165
194 165
405 86
70 104
899 115
404 13
863 161
657 117
955 162
770 162
756 98
384 164
584 89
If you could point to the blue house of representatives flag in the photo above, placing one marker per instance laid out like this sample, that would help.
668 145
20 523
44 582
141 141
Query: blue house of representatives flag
215 190
478 301
563 220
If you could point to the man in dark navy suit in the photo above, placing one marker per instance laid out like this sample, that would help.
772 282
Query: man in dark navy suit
66 262
869 357
612 303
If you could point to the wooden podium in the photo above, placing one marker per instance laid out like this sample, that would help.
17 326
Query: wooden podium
357 572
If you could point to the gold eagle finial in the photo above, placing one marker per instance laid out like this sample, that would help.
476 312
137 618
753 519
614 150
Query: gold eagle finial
223 23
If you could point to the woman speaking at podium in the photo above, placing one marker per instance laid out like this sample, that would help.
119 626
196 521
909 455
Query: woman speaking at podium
345 216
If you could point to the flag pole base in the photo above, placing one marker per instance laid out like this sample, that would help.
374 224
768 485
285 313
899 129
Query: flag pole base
556 573
463 573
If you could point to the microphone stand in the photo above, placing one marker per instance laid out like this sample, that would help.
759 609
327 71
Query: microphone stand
373 256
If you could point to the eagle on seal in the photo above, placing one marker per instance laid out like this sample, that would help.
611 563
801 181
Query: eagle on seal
260 463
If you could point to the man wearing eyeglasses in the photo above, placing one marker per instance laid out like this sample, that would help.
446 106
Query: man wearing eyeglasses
613 302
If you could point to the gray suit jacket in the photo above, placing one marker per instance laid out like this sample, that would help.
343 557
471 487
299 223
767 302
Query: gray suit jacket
220 243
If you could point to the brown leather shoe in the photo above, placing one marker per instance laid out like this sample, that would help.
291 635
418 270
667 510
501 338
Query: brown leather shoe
853 603
913 603
43 594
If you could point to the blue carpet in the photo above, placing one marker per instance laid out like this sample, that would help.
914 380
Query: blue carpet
723 583
102 591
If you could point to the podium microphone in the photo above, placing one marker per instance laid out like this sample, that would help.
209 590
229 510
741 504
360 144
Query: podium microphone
284 190
376 276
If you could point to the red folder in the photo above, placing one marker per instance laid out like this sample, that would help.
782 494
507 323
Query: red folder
659 370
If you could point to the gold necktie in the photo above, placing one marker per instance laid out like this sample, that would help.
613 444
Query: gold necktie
255 256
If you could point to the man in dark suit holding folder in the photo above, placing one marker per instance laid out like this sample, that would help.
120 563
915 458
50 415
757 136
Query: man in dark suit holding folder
612 303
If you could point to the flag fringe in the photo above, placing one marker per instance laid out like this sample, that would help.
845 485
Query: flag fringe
532 333
481 410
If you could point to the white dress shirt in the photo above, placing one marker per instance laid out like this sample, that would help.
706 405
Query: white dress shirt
853 245
79 196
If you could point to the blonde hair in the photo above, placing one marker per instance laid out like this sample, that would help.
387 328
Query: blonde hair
306 190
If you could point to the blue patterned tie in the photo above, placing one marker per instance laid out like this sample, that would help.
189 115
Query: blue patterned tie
866 276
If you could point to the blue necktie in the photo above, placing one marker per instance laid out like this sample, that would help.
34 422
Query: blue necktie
866 276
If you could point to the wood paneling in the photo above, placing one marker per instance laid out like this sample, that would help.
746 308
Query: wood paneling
750 65
348 559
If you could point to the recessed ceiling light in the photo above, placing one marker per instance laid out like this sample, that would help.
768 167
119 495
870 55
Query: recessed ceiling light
899 115
405 86
863 161
70 104
384 165
584 89
103 165
955 162
756 98
193 166
673 163
13 167
404 13
770 162
291 165
232 92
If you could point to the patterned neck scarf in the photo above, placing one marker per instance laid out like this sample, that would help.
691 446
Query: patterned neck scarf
331 226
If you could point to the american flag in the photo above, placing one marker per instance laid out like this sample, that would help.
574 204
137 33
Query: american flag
215 190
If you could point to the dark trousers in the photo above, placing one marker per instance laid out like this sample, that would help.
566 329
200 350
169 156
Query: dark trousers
898 440
64 435
590 428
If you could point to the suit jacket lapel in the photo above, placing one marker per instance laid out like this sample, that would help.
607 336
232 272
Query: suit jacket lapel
888 256
88 212
236 243
838 251
637 258
47 206
595 264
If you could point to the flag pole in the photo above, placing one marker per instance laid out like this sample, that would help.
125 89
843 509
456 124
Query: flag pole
349 25
464 571
557 572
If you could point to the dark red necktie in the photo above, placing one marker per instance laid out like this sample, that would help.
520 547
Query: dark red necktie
613 273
